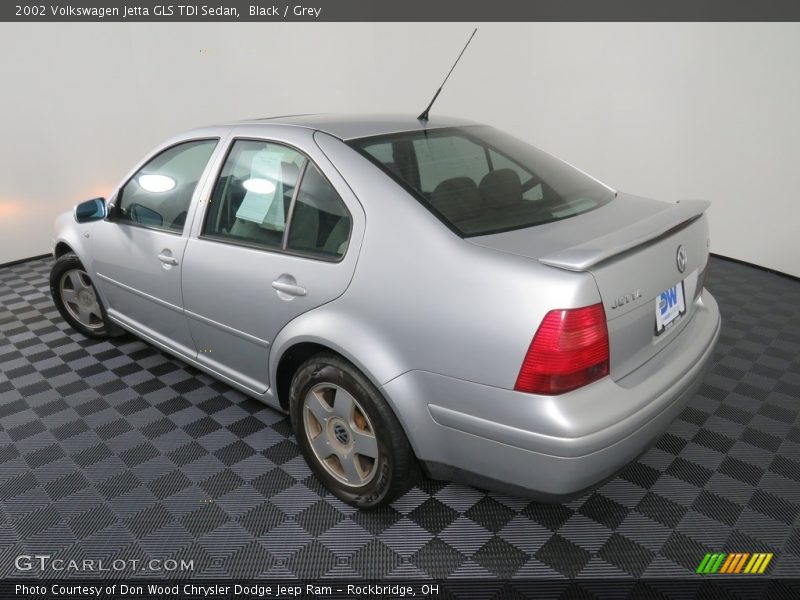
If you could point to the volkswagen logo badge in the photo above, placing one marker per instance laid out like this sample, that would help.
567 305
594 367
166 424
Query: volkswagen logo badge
341 434
680 258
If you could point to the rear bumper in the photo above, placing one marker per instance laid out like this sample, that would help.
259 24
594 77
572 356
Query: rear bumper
552 446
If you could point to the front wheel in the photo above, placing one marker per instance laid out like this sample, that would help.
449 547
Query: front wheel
77 300
348 434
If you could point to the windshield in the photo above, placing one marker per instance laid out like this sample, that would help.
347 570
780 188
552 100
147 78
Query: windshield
478 180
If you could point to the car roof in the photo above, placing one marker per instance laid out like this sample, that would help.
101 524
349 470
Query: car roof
348 127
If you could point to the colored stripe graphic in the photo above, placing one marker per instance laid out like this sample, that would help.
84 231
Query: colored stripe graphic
764 564
711 563
736 562
758 563
753 563
719 562
703 564
727 565
741 562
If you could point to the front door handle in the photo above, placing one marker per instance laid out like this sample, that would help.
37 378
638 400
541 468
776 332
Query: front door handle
287 285
168 260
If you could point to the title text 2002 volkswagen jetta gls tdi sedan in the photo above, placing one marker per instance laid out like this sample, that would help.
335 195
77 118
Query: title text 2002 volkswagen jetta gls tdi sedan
414 293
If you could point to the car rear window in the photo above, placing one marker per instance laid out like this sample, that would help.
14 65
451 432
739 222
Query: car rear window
478 180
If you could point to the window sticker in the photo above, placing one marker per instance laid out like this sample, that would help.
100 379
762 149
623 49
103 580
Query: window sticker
263 200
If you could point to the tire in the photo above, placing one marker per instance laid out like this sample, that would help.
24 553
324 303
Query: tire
330 436
77 299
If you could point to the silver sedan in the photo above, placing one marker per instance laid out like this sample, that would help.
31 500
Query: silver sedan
420 296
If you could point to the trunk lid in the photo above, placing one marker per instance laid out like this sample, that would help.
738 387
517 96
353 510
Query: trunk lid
630 246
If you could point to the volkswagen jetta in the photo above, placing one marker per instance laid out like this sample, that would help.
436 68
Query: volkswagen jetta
417 295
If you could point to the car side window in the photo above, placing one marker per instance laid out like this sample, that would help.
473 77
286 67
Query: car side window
320 221
159 194
251 199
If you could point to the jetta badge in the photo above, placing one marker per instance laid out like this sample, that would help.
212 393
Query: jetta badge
680 258
626 298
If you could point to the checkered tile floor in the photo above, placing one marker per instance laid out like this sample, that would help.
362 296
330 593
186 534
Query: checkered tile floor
113 449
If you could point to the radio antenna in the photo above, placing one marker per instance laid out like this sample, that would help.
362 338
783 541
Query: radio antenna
424 115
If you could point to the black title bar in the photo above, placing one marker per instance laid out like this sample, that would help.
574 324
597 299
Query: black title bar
467 589
472 11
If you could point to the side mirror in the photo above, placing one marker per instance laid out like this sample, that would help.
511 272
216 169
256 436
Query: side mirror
90 210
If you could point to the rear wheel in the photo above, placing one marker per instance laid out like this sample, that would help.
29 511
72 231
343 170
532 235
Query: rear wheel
77 299
348 434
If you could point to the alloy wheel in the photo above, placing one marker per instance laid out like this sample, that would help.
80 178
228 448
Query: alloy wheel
340 434
80 299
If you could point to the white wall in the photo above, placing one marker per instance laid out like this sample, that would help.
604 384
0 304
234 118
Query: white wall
664 110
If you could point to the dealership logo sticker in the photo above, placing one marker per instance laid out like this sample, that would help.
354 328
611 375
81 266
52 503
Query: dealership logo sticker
742 563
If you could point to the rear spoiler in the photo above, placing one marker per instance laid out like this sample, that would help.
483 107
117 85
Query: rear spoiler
584 256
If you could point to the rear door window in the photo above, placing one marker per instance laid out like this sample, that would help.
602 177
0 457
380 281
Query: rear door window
251 200
269 195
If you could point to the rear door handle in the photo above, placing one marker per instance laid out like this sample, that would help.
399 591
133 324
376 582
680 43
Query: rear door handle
168 260
292 289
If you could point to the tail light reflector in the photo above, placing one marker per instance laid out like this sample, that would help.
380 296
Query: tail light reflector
569 350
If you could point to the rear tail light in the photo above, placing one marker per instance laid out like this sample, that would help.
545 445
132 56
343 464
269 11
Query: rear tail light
569 350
